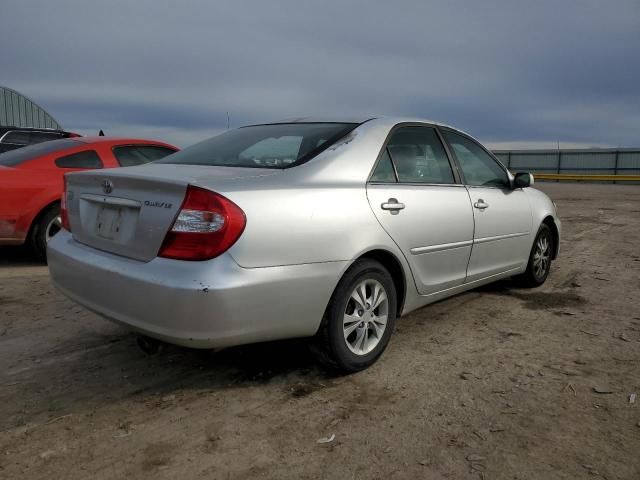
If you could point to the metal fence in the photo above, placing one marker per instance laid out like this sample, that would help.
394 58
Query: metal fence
593 161
596 162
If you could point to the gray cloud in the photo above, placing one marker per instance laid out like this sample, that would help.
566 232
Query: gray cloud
523 72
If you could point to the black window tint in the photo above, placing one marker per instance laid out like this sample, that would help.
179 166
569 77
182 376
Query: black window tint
419 156
16 157
131 155
263 146
21 138
38 137
384 170
86 159
29 138
478 167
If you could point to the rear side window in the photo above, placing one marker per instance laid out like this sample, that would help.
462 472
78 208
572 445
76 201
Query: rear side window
132 155
418 157
478 167
16 157
86 159
384 172
279 145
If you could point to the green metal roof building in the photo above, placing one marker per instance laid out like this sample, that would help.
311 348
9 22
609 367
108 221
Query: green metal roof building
16 110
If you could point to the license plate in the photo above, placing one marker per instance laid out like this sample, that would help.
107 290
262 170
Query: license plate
109 221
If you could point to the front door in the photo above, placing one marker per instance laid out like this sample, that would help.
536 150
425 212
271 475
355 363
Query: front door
502 216
415 198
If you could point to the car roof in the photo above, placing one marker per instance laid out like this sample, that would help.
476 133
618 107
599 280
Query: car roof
313 119
384 120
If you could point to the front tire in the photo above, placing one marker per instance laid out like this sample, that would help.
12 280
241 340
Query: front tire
359 319
539 259
46 227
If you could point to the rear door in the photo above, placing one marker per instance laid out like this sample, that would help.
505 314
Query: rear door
414 194
502 215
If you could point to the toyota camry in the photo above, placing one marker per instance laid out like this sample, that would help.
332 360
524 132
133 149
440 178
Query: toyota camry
303 228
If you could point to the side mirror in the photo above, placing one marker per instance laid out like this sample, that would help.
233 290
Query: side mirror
523 180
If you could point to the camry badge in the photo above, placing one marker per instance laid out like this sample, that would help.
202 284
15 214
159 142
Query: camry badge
107 186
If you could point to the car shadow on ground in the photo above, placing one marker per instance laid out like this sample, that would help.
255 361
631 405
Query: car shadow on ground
88 373
18 256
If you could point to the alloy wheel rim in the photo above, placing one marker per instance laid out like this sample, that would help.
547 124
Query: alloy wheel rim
54 227
541 256
365 316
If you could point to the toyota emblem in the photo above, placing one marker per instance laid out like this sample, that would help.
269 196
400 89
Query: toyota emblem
107 186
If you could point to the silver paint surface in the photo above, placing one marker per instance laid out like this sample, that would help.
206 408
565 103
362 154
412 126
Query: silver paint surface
305 226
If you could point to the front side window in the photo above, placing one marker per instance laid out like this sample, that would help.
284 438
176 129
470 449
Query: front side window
263 146
419 157
478 167
131 155
86 159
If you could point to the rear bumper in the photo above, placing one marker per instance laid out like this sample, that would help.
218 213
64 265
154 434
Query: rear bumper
208 304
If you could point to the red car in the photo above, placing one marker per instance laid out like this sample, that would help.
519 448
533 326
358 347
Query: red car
31 181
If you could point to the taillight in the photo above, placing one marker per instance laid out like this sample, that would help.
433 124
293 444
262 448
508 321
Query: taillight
64 213
206 226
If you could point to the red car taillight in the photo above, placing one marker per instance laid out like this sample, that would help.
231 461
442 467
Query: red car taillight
64 213
206 226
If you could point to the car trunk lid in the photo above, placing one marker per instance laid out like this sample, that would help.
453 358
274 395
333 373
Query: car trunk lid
129 211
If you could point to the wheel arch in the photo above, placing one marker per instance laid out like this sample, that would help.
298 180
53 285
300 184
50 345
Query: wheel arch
38 216
550 222
394 266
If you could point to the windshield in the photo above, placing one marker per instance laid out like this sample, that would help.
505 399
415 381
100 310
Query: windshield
263 146
16 157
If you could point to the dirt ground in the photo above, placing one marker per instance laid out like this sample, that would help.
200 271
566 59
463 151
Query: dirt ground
496 383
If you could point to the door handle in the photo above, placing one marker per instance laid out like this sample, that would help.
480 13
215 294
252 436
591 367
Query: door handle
393 205
480 205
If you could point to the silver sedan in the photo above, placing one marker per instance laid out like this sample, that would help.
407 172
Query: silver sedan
304 228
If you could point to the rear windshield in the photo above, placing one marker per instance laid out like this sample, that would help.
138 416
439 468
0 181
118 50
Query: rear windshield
16 157
263 146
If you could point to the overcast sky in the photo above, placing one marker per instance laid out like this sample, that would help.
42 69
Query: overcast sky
512 73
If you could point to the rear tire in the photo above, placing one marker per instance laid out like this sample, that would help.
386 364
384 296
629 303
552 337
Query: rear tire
359 319
46 227
539 259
